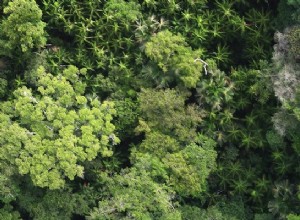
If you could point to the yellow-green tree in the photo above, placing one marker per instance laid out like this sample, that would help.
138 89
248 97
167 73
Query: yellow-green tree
47 132
175 60
22 29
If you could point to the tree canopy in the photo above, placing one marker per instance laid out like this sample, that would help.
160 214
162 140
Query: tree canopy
149 109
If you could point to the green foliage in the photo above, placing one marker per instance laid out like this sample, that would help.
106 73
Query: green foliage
283 202
158 144
47 133
118 10
192 212
9 189
175 60
126 116
7 213
214 90
3 83
296 5
293 217
22 30
190 168
231 210
156 108
101 29
133 195
185 170
191 143
284 18
263 217
53 204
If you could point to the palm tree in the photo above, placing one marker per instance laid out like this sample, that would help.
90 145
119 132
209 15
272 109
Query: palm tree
240 186
226 8
222 54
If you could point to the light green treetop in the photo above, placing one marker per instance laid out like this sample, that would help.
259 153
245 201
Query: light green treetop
119 10
47 133
293 217
175 59
23 28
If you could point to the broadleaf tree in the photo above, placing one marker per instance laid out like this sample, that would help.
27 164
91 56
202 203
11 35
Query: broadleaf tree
48 131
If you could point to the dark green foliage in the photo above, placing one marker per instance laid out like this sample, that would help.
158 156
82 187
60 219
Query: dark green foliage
284 18
189 212
296 6
3 83
126 116
263 217
54 204
231 210
284 201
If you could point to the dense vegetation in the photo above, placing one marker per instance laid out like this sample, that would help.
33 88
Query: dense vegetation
150 109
